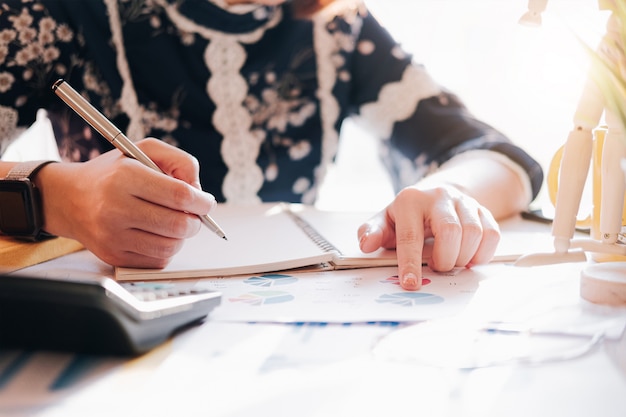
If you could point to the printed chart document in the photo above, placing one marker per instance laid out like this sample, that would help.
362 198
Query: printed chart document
342 296
273 237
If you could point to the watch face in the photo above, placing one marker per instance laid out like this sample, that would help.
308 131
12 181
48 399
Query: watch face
17 214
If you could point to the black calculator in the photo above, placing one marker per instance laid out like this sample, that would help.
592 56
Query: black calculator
96 315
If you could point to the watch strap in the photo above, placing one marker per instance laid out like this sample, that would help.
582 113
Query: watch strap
26 170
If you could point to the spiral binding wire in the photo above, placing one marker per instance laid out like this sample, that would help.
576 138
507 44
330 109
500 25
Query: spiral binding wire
313 234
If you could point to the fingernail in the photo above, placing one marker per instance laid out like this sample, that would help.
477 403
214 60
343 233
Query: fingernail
410 280
364 237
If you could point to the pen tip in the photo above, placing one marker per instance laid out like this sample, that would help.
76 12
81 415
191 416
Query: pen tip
224 237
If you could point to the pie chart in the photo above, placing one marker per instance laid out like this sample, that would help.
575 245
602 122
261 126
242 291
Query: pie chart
259 298
270 280
409 299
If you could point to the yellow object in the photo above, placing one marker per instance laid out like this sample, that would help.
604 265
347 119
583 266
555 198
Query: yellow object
16 254
592 221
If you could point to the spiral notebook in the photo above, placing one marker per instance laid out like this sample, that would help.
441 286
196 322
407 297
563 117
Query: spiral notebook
267 238
274 237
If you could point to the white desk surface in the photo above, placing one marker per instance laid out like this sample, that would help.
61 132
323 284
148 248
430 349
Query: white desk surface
229 367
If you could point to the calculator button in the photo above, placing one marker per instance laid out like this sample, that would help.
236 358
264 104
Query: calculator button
150 291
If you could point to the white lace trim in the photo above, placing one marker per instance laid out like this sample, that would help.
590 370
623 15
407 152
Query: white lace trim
240 148
224 57
397 101
326 46
128 100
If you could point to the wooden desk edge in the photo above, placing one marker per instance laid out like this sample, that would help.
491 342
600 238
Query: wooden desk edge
16 254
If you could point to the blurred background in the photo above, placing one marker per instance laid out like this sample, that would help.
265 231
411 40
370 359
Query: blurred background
525 81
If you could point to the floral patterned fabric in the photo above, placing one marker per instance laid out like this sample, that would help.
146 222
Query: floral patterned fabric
255 94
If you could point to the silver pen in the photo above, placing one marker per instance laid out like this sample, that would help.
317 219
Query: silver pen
111 133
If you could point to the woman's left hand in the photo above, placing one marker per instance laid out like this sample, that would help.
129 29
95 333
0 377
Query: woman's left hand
464 232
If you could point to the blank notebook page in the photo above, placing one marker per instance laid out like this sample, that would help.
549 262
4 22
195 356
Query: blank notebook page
261 238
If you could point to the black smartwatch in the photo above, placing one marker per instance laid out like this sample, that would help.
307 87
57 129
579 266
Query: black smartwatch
21 214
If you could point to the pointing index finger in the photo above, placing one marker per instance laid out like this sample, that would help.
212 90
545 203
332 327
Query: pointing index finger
409 232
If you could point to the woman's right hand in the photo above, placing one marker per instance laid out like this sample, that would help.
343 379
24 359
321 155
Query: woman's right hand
124 212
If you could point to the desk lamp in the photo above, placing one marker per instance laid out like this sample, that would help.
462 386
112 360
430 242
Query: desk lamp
602 283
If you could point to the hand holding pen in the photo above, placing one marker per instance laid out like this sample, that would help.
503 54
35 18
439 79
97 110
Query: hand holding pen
100 123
